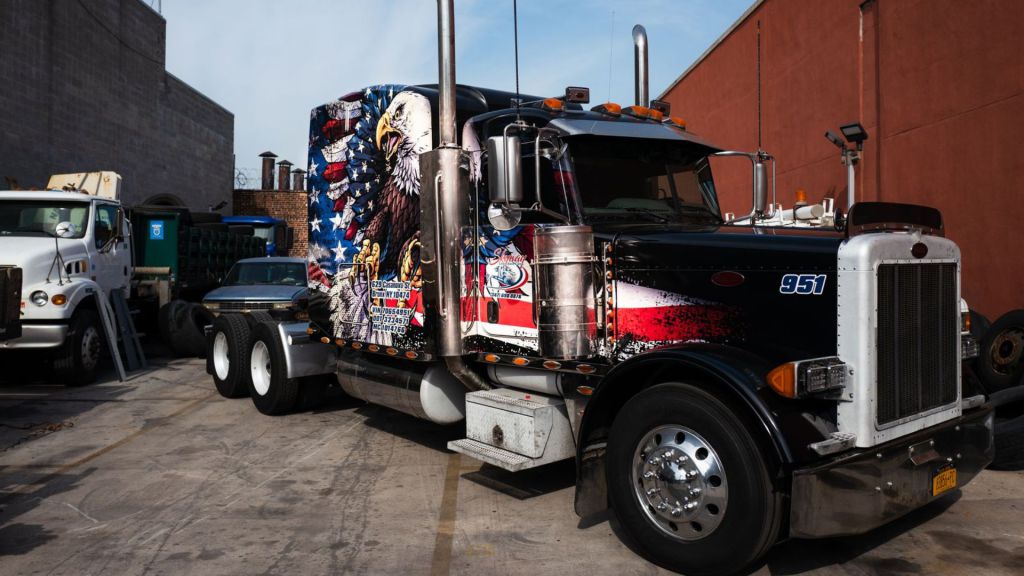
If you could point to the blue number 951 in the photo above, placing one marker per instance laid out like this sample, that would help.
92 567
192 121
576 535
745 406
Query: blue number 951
803 284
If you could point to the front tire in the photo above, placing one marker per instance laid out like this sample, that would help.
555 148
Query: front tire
76 360
689 483
272 392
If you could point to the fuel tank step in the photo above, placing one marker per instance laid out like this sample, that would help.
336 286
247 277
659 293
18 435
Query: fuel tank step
495 456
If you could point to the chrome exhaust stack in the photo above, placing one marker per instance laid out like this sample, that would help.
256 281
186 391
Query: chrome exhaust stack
443 193
640 66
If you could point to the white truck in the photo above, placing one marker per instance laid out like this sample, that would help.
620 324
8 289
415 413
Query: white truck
60 251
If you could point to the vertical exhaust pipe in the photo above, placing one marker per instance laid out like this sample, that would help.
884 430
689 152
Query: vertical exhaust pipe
298 179
640 65
446 73
443 192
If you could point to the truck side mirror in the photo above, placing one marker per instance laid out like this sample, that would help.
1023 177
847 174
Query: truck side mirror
504 170
760 187
119 225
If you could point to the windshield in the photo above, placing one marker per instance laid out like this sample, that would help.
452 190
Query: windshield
279 273
262 231
40 217
663 180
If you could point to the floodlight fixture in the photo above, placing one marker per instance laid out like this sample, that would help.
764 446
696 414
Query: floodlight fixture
854 134
834 139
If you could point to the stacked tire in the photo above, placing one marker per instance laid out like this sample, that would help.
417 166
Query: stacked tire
182 327
1000 368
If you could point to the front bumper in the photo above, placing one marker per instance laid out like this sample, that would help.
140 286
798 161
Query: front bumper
861 490
37 336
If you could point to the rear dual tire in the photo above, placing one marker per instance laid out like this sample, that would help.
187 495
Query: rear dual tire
272 392
228 356
689 484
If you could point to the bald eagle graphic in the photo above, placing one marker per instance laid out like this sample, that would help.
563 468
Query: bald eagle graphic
402 134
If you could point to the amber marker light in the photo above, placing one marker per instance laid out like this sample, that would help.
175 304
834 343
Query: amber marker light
325 340
491 358
783 380
553 104
609 108
801 195
59 299
677 122
373 347
585 369
585 390
357 345
392 352
552 365
411 355
520 361
309 331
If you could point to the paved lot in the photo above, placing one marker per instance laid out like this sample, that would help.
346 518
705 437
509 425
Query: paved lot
161 475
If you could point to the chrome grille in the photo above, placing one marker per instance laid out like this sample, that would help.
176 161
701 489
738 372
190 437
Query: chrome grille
918 339
246 305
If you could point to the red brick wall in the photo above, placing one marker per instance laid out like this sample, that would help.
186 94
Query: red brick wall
289 205
938 84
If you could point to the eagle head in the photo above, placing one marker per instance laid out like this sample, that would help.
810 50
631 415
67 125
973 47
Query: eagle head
403 133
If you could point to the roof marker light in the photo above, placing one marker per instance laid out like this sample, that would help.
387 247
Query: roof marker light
553 104
609 108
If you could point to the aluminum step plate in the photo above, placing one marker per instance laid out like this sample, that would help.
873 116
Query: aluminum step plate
495 456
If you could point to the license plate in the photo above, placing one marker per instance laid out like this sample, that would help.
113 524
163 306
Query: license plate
944 480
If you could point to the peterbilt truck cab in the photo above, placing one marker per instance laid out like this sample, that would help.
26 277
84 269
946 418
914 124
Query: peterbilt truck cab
561 280
62 250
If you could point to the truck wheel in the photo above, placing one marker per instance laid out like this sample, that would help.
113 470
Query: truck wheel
689 483
229 356
76 360
1001 356
257 316
169 320
272 391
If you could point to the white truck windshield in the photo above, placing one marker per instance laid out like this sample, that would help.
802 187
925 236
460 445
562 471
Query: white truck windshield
40 217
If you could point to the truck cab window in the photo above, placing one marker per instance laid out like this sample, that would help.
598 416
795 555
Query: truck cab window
106 223
40 217
666 180
556 185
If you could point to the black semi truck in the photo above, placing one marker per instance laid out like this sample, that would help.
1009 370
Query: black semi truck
562 280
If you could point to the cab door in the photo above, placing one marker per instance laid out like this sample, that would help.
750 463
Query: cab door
111 261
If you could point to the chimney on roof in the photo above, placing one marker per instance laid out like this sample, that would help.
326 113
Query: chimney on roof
284 168
298 179
267 182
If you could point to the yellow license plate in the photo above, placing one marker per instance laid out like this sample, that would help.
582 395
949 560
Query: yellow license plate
943 481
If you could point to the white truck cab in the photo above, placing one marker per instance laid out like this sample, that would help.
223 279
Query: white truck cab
72 246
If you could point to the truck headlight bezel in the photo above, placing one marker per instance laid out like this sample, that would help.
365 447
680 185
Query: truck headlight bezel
39 298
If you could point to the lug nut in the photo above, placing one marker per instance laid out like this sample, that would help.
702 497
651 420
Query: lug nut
691 505
649 474
677 511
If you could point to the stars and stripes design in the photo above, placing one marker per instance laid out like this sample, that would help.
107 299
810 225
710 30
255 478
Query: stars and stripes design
345 173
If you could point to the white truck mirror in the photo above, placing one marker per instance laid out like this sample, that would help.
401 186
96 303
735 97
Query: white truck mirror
65 229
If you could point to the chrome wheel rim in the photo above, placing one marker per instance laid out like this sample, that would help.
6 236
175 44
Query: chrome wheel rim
679 482
260 368
221 362
90 348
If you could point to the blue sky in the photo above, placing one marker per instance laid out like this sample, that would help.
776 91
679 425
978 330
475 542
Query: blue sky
270 62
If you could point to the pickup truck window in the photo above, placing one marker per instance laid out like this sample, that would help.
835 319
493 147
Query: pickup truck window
279 273
624 178
40 217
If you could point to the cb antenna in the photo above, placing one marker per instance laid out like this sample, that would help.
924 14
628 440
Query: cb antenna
758 85
515 34
611 48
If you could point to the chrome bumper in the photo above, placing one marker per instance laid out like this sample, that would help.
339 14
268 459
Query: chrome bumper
37 336
856 492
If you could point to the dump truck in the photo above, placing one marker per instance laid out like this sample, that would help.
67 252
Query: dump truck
561 282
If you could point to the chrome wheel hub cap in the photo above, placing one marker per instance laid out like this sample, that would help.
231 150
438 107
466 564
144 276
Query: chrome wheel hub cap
90 348
679 482
260 368
221 362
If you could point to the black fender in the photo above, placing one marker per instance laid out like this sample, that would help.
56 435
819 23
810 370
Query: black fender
783 426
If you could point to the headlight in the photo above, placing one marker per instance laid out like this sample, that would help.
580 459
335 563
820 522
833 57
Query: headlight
211 305
39 298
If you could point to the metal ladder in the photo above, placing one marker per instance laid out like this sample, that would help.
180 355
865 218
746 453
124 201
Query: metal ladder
117 322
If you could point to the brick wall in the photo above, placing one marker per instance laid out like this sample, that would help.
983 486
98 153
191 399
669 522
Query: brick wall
289 205
85 89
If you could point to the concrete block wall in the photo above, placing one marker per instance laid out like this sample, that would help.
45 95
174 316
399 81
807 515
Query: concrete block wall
289 205
85 89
